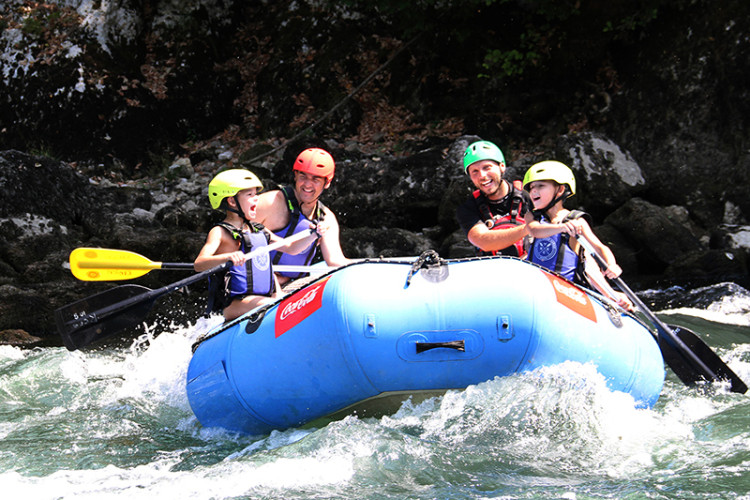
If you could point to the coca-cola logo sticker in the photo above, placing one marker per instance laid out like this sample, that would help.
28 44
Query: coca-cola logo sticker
572 297
293 310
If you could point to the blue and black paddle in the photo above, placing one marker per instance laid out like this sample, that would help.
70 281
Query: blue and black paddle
683 351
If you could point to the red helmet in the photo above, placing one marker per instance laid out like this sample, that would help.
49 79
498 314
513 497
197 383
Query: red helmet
315 161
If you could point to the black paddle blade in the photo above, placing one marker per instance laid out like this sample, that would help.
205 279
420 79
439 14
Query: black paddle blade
683 368
101 315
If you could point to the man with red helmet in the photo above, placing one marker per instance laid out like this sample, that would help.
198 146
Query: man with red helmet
292 209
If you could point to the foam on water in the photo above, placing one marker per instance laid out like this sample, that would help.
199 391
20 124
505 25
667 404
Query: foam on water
729 311
116 424
731 307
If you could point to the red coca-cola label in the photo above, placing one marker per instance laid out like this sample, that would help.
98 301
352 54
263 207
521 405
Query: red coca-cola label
572 297
294 309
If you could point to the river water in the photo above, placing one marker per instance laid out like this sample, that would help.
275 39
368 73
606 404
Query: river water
115 423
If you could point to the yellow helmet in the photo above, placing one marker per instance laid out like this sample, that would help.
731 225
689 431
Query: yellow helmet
551 170
229 183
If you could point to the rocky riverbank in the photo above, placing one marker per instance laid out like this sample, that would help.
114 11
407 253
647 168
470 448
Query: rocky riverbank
114 117
51 208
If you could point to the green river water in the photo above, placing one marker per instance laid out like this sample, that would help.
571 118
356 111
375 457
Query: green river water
115 423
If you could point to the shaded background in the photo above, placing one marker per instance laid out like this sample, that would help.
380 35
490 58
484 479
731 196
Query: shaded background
114 116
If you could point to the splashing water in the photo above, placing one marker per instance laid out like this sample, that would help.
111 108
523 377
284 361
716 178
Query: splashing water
115 423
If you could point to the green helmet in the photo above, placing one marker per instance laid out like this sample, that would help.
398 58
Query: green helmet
551 171
229 183
482 150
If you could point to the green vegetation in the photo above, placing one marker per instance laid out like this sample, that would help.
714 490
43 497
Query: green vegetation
521 34
633 22
41 19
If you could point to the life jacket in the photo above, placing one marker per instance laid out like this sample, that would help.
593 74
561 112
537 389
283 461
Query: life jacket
512 219
297 223
255 277
555 254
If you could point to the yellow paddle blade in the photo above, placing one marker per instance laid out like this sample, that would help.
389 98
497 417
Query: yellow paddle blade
104 264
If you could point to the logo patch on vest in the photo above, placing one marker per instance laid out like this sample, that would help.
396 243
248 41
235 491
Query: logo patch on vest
545 249
572 297
293 310
262 261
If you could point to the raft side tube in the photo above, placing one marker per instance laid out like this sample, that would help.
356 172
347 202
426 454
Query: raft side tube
573 325
389 335
291 369
213 397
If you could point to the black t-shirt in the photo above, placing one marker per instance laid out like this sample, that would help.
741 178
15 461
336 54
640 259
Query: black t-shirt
469 214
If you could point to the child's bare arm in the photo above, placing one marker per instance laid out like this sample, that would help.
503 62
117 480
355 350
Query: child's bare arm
216 251
597 280
539 230
613 269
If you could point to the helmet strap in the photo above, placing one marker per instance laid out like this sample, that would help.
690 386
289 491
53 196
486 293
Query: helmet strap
564 196
238 210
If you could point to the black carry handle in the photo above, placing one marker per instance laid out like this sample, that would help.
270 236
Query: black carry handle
454 344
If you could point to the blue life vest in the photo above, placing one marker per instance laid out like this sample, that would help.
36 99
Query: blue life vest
255 277
555 253
297 223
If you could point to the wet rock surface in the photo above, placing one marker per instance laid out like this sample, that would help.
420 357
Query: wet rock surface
387 207
115 117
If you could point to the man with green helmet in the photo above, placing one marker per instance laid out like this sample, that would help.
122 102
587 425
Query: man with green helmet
494 218
248 284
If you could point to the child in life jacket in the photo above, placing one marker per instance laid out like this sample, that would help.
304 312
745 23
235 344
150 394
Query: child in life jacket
248 283
555 228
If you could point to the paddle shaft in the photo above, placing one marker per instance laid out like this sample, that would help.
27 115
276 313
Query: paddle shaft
125 265
88 320
151 295
184 266
660 325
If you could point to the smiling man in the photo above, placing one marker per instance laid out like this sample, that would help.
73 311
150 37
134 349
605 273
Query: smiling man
292 209
494 218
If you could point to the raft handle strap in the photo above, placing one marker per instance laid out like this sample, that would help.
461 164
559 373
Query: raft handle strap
426 346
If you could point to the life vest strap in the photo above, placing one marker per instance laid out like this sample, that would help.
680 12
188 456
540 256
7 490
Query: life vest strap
513 219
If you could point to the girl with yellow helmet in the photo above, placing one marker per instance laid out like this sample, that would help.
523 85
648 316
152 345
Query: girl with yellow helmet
247 284
556 228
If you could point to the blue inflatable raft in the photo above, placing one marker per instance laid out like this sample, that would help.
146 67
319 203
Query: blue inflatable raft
363 338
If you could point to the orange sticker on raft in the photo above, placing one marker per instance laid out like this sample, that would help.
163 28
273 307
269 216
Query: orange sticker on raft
572 297
299 306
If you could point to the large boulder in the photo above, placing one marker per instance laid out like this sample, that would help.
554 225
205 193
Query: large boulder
607 176
658 238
